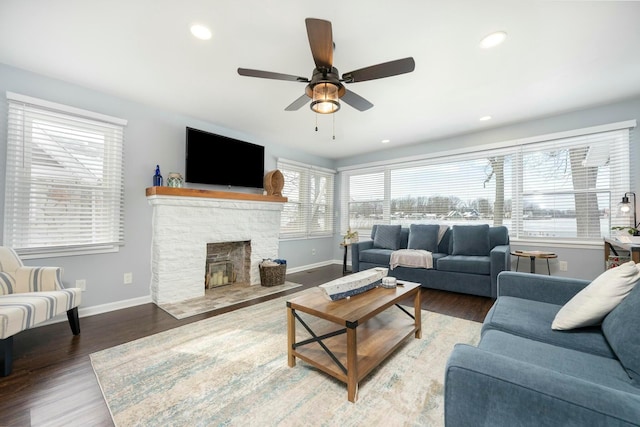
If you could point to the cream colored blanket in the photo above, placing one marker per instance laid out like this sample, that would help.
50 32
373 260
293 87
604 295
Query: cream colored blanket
418 258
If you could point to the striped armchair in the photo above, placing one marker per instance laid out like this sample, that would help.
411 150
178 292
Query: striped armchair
28 297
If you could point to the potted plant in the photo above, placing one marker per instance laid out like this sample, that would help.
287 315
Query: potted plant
350 236
632 237
631 230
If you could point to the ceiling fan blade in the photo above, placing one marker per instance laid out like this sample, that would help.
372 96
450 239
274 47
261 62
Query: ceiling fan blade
269 75
298 103
321 42
356 101
386 69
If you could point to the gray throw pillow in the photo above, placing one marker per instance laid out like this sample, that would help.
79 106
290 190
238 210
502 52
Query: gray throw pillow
387 237
423 236
471 240
620 328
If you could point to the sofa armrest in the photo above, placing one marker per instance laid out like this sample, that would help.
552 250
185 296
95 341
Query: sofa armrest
491 389
38 279
500 261
539 287
355 253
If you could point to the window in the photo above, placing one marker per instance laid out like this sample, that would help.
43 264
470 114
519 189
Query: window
549 188
64 181
309 211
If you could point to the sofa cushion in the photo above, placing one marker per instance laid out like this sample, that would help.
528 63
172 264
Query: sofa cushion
498 236
387 237
589 306
532 319
9 260
423 236
376 256
22 311
7 283
578 364
465 264
445 245
620 327
471 240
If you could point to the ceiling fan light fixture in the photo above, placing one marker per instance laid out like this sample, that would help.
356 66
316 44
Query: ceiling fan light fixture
325 98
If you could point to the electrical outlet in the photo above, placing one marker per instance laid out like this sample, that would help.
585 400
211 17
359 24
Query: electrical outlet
313 251
128 278
82 284
563 265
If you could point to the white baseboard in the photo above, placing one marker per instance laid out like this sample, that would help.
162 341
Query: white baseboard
112 306
99 309
310 266
119 305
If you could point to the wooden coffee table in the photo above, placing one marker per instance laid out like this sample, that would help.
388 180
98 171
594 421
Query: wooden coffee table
370 336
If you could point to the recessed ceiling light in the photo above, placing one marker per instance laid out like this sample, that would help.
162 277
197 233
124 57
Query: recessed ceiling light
485 118
385 141
493 39
201 32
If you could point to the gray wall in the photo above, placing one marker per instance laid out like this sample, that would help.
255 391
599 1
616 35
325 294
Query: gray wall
155 137
152 137
583 262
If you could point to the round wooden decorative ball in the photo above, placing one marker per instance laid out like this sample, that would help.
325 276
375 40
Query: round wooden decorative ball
273 183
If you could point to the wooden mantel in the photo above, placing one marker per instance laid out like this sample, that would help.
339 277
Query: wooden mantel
193 192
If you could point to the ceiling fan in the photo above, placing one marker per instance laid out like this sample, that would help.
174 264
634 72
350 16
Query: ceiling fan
326 88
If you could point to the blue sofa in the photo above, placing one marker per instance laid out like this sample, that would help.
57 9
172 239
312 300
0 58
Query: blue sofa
526 374
466 259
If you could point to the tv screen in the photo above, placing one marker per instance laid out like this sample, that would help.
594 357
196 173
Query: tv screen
219 160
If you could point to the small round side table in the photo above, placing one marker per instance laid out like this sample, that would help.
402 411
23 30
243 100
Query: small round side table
532 255
344 260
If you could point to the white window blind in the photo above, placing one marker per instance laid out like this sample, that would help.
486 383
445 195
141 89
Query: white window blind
570 187
309 211
563 189
64 179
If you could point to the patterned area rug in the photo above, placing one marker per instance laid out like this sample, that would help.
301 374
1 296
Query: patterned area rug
232 370
222 296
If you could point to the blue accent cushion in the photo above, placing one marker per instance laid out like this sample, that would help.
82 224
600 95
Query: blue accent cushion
471 240
465 264
423 236
376 256
387 237
532 320
578 364
620 327
498 236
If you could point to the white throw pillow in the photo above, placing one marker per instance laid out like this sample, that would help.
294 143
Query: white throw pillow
590 306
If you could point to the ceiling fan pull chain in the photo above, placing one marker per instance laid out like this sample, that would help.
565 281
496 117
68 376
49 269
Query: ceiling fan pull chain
334 127
316 122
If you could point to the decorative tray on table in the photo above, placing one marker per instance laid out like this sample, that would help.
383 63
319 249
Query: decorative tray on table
353 284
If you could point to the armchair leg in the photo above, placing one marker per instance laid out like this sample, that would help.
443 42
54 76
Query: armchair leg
6 347
74 320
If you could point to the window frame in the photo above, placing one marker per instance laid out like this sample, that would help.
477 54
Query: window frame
104 226
515 147
305 204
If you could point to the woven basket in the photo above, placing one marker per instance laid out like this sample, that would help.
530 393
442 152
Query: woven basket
272 275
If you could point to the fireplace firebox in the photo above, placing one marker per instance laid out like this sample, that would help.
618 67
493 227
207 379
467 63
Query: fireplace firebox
227 263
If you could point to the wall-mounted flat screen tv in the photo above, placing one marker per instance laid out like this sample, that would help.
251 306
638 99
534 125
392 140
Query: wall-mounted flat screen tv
219 160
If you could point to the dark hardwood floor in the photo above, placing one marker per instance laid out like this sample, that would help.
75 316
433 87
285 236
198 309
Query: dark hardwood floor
53 384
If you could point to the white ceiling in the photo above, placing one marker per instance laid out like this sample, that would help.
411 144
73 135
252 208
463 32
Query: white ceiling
559 56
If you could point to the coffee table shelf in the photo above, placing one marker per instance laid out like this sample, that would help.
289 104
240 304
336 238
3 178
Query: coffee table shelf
372 329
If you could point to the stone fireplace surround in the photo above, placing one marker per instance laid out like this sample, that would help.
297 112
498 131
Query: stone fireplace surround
185 220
